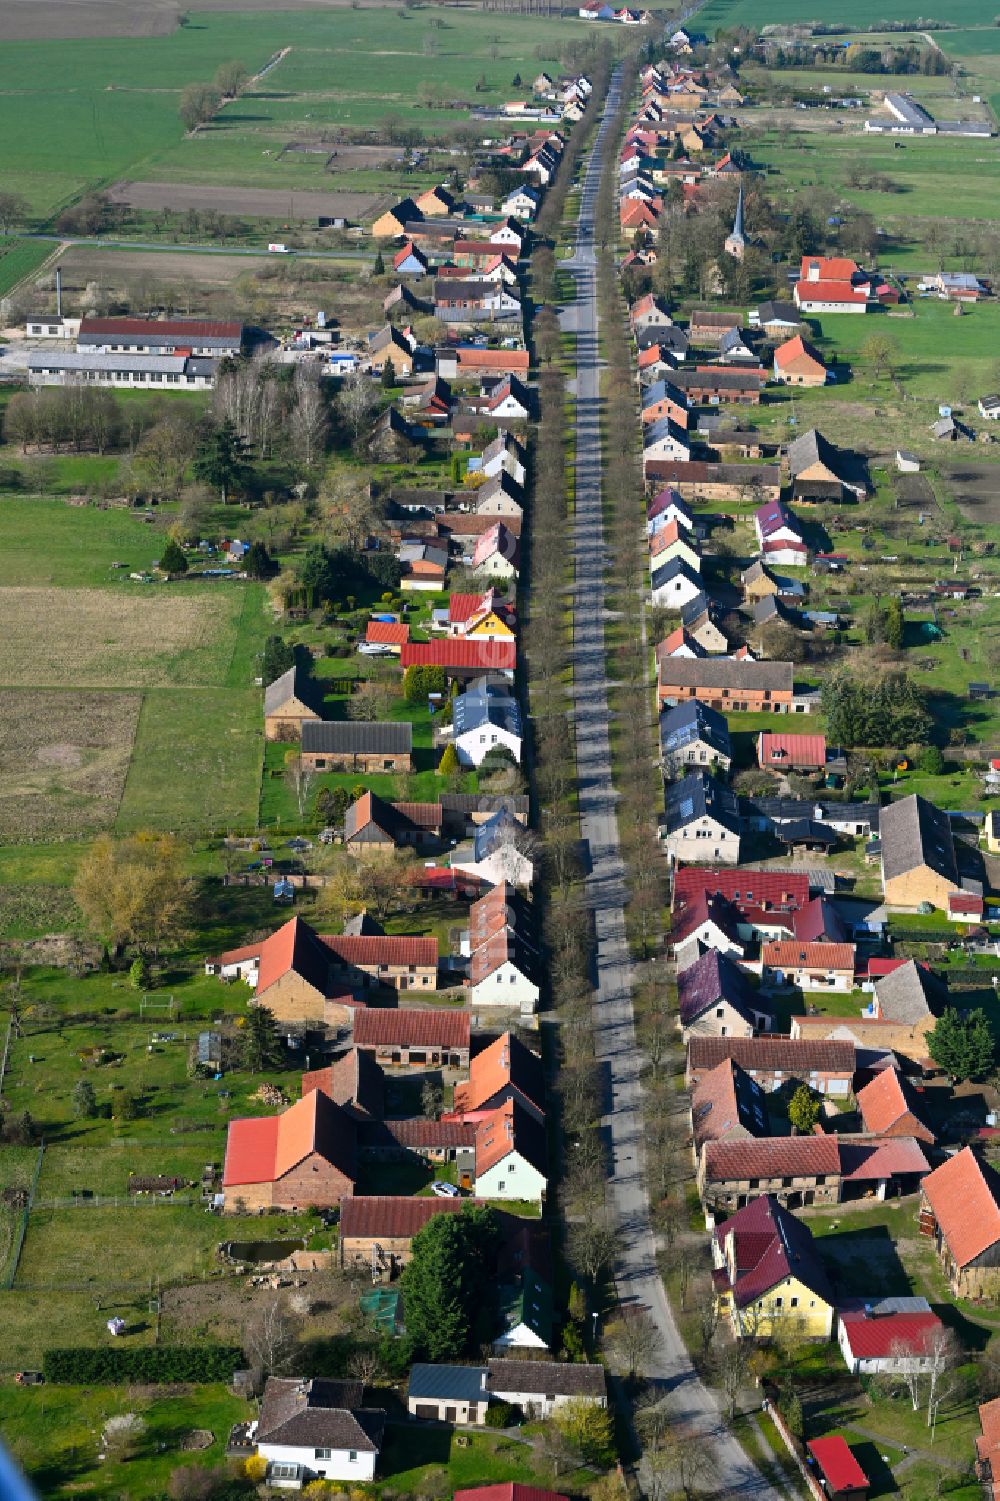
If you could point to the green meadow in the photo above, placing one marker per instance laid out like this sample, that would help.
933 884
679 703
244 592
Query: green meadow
848 13
83 113
919 170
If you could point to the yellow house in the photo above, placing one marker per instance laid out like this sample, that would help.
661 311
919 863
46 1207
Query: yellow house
491 627
768 1277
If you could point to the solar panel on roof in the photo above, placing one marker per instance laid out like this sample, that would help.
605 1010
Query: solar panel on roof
687 808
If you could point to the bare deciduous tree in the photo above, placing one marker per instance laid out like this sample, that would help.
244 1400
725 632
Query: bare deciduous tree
269 1339
633 1338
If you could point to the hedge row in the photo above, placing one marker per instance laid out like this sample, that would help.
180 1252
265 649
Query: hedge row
154 1364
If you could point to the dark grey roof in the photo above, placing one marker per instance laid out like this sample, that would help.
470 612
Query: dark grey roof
483 802
280 691
914 833
318 1413
725 672
488 704
804 831
356 737
784 312
676 568
909 993
499 831
787 809
448 1383
693 721
547 1378
700 796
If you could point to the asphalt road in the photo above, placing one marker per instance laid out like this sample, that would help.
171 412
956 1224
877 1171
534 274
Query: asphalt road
689 1400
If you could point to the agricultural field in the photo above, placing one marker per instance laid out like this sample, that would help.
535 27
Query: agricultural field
18 258
89 113
64 756
272 292
131 706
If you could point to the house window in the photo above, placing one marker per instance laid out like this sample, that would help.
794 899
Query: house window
719 1011
501 1186
352 1456
283 1472
322 1453
793 1303
778 1302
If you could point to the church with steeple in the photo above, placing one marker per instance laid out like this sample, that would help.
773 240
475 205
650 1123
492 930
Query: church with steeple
736 241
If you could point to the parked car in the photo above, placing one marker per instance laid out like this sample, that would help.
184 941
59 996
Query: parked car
444 1190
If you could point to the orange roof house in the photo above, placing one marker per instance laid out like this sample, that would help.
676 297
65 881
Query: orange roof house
960 1207
809 966
355 1082
988 1449
887 1108
291 973
504 1071
799 363
393 634
511 1157
304 1158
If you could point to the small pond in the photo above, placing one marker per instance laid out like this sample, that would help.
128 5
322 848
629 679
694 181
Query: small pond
258 1251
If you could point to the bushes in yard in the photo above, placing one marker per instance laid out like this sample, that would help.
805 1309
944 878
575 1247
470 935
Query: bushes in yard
157 1366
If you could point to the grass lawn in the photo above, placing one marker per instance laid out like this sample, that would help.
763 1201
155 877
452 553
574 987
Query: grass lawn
54 1432
196 761
412 1455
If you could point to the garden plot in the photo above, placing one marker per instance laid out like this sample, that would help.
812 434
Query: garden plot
64 757
976 488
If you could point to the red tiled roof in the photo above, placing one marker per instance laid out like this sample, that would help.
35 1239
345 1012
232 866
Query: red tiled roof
874 1338
788 1055
837 1463
758 888
778 749
964 1194
388 632
830 267
462 607
408 1027
489 359
506 1063
482 654
795 350
884 1103
829 291
265 1149
510 1491
772 1157
370 949
294 946
385 1218
189 328
871 1159
786 953
509 1129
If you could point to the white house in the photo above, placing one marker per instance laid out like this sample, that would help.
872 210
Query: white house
663 439
538 1387
701 821
485 717
666 545
674 585
315 1429
497 554
522 203
507 400
888 1335
511 1157
52 328
504 456
496 853
501 973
